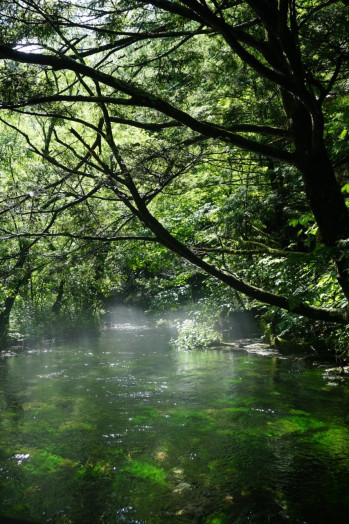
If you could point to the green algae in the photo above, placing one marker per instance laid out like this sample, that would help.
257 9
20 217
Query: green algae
43 463
220 443
217 518
96 471
292 424
146 471
74 426
334 441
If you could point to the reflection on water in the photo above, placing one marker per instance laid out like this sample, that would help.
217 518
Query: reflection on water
121 428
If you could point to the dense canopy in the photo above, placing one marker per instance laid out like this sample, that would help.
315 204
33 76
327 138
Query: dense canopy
217 130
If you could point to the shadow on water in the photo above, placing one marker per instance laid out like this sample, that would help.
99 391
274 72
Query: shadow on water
10 520
123 429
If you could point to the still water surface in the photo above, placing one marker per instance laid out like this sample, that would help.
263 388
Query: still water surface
123 429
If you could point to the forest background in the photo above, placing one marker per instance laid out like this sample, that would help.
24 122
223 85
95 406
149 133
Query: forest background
175 153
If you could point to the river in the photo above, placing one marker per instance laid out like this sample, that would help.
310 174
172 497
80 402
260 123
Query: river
121 428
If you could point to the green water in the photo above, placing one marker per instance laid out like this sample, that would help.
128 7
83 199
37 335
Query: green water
122 428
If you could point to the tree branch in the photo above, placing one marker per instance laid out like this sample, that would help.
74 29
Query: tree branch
76 236
143 98
261 249
150 126
166 239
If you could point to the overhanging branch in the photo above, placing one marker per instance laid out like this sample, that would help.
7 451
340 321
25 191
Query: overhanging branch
142 97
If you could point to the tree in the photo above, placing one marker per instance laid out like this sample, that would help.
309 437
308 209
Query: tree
152 89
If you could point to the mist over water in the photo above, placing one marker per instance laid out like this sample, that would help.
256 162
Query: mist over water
123 317
122 428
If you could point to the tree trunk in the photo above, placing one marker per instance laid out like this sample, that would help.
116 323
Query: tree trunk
10 300
5 321
57 306
330 212
321 186
166 239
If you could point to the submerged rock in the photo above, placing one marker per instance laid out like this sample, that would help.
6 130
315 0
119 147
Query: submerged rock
182 486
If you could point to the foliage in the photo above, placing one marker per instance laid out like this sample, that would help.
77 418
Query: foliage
149 147
196 334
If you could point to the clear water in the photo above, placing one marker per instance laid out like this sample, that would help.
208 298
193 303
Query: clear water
122 428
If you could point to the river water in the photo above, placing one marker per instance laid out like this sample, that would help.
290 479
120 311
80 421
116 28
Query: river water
124 429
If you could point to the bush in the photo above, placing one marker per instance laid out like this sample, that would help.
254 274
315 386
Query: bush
194 334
